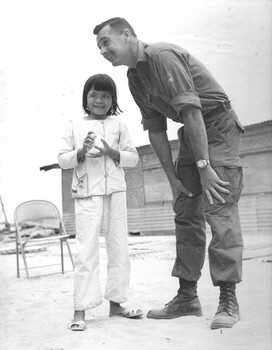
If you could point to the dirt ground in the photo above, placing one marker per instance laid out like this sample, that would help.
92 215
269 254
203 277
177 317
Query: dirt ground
35 313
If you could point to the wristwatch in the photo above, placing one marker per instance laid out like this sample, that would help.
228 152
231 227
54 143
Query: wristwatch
202 163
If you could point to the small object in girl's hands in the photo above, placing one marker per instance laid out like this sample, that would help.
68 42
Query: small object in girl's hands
98 143
92 135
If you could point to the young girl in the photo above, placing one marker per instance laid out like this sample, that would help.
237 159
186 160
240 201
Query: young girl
97 147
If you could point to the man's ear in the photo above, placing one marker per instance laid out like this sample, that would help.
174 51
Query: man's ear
127 33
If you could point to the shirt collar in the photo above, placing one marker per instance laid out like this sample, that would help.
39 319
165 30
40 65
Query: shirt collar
141 55
141 58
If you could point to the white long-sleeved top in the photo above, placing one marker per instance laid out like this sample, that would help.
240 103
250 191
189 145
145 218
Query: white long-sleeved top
102 175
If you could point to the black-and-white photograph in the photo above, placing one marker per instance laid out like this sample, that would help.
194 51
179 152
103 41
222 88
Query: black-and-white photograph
135 175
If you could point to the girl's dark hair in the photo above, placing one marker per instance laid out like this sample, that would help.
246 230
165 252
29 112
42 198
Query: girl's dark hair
101 82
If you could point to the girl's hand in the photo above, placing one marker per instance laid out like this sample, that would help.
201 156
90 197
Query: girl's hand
88 142
106 151
102 151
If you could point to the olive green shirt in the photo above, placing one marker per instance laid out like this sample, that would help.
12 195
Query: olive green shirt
167 79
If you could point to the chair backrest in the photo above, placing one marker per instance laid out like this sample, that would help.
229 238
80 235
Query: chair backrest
41 211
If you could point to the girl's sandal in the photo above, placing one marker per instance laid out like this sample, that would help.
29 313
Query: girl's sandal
77 326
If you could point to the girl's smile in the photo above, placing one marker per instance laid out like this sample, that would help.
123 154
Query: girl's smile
99 103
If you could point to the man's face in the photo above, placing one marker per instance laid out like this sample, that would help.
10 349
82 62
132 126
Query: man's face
113 46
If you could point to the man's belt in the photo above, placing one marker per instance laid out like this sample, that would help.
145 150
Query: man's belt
225 106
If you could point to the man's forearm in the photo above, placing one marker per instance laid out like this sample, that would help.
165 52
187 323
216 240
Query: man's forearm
196 131
162 148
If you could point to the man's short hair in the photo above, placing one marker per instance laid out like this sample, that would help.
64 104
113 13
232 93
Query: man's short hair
118 24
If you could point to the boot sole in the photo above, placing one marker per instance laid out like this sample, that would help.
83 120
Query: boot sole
170 317
218 325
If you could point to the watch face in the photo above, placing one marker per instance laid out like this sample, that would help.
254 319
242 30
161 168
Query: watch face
201 163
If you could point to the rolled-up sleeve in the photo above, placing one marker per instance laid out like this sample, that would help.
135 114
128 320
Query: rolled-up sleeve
67 156
128 154
153 121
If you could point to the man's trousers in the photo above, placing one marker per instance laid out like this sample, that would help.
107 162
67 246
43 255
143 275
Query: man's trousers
226 246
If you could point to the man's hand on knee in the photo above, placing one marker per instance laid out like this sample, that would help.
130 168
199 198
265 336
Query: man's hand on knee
212 185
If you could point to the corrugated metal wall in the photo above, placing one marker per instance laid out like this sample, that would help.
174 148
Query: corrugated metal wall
255 215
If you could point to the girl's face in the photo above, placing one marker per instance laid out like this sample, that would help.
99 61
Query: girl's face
99 103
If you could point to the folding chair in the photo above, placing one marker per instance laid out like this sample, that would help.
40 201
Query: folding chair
46 215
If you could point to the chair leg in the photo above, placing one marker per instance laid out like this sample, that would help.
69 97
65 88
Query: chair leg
24 259
62 260
17 260
70 253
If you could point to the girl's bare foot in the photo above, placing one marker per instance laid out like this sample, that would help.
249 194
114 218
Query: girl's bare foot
79 316
117 310
78 323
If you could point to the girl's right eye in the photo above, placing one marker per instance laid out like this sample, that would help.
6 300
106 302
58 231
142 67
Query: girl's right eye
96 95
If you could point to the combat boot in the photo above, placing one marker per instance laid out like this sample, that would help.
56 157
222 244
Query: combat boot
228 310
185 303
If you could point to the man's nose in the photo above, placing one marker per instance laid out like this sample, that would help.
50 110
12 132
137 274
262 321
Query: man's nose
103 50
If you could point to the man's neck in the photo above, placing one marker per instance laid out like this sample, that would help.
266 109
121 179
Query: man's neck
133 54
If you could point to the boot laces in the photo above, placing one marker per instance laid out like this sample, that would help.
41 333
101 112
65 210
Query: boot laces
178 296
182 293
172 301
227 300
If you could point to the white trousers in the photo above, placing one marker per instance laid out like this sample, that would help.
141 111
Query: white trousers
89 213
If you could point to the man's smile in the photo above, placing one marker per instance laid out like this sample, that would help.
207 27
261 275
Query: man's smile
108 56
